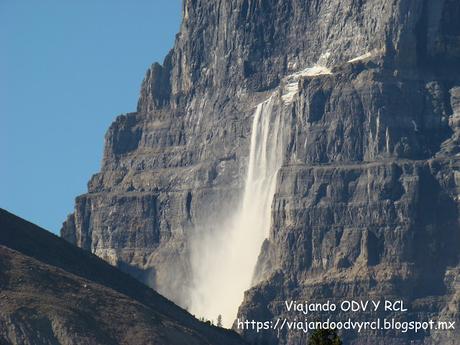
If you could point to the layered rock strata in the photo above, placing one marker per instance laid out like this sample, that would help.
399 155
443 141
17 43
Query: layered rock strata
366 200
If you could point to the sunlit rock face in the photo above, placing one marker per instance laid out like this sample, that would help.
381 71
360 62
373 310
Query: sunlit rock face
365 198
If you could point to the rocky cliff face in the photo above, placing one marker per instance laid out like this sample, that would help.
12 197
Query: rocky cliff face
366 201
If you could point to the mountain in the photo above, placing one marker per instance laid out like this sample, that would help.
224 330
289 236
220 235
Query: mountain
295 150
54 293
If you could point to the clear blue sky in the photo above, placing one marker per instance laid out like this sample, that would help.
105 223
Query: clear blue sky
67 69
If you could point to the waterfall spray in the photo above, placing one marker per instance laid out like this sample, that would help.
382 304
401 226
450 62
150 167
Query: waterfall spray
224 256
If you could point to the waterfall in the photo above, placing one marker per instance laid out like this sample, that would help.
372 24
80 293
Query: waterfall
224 256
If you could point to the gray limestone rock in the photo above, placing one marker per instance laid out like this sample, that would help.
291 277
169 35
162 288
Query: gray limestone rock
366 203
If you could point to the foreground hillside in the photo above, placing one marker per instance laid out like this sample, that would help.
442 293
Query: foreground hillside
54 293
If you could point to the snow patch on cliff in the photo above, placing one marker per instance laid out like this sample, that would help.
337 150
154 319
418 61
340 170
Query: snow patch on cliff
291 87
361 57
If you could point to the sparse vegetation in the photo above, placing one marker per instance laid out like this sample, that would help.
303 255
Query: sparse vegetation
324 337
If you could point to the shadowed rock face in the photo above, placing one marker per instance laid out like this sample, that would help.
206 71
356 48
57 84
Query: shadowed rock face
366 203
54 293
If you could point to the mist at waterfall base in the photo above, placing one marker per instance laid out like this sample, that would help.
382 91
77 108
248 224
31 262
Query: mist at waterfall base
224 255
